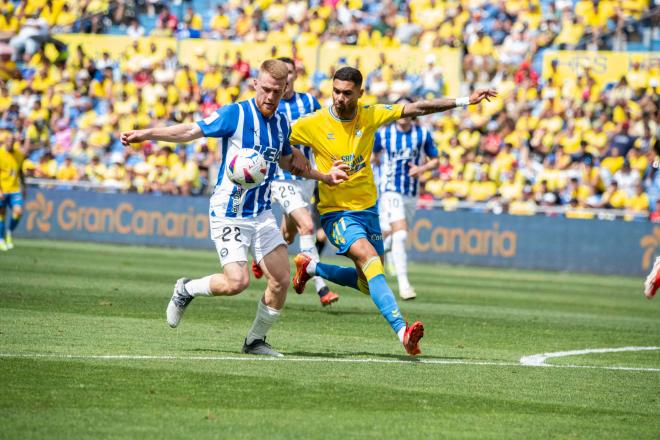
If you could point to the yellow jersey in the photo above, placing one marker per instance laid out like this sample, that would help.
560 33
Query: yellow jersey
350 141
10 170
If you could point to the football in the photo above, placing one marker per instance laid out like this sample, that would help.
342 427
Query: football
247 168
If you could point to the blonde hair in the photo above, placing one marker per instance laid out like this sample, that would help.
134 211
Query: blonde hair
275 68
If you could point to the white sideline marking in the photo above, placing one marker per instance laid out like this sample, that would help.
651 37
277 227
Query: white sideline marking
538 360
115 357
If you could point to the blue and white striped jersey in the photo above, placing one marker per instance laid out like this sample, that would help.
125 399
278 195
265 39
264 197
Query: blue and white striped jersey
241 125
298 105
402 150
377 169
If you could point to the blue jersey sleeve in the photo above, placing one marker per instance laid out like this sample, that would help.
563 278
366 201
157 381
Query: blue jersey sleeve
378 141
286 144
221 123
429 146
315 104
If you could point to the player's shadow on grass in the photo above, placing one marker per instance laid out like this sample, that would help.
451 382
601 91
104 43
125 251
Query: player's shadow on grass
329 310
353 355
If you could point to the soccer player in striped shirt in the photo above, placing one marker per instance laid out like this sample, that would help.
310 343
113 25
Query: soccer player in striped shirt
292 192
402 148
345 132
241 220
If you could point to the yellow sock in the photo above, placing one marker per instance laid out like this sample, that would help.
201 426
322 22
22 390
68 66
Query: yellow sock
372 268
363 286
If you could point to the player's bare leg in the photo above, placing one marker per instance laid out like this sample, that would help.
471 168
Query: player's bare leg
400 259
321 240
367 276
305 227
276 269
289 230
232 281
365 257
16 213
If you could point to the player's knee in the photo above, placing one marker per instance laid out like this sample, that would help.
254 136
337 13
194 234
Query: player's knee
279 284
361 251
306 226
237 283
18 211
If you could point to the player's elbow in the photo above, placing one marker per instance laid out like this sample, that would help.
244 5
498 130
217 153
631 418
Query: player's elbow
414 110
192 132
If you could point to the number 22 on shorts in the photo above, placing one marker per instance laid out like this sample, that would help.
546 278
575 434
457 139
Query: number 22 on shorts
227 232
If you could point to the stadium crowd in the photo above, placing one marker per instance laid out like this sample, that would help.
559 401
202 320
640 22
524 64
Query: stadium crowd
548 142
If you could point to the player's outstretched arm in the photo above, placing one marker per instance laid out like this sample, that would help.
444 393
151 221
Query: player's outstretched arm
175 133
429 106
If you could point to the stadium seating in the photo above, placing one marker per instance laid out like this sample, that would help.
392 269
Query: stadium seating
555 139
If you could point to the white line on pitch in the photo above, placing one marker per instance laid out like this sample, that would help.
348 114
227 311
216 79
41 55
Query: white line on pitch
538 360
113 357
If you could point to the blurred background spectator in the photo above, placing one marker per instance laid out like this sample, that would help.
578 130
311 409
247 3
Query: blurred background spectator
552 143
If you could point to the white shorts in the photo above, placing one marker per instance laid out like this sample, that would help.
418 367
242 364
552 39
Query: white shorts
234 237
393 207
292 194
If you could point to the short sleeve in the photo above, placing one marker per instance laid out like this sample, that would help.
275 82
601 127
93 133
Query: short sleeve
378 141
315 104
386 113
221 123
429 146
300 134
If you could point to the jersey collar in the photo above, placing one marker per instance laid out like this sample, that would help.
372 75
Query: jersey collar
332 113
253 101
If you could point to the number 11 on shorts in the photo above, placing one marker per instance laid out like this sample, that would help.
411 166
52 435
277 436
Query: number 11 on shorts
338 229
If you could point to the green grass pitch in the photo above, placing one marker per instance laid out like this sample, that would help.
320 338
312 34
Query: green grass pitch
63 306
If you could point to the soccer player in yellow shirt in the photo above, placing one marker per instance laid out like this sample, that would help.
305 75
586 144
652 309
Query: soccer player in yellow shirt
11 190
344 133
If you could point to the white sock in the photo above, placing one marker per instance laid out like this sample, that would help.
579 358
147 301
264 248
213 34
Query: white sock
311 268
200 286
308 246
387 241
266 317
319 283
400 258
389 264
400 333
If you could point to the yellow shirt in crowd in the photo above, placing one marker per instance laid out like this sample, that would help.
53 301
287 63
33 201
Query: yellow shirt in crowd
10 166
